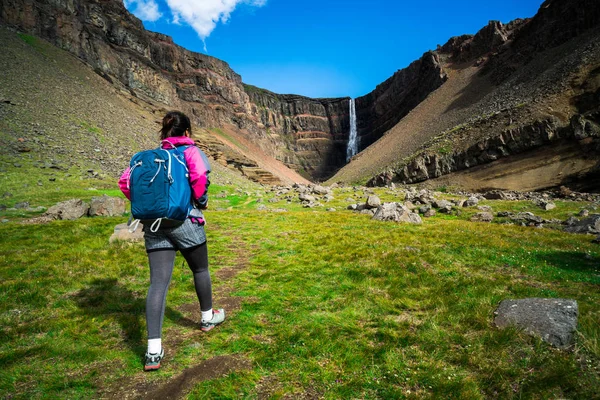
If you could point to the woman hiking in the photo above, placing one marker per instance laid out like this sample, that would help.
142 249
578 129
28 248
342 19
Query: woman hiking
189 238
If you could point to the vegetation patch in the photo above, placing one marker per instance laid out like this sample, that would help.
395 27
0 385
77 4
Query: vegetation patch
328 304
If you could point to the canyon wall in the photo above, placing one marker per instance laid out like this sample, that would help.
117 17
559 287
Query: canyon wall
306 134
381 109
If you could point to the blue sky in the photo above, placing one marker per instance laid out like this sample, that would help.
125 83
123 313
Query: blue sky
320 48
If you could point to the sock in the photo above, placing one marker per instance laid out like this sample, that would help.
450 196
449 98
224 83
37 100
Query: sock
207 315
154 346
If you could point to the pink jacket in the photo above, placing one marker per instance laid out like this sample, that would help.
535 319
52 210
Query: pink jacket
197 163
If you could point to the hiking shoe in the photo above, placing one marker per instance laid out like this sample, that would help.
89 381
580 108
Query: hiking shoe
218 317
153 360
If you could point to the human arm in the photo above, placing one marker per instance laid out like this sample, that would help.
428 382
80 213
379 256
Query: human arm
199 169
124 184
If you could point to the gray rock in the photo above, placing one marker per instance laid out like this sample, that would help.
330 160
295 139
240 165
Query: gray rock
482 217
306 198
22 205
261 207
584 213
352 207
471 202
397 213
460 203
373 201
484 208
505 214
430 213
545 204
321 190
121 232
527 218
587 225
424 208
553 320
442 204
497 195
107 206
69 210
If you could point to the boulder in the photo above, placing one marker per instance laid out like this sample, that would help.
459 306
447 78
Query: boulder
584 213
121 232
373 201
306 198
424 208
441 203
69 210
107 206
397 213
321 190
429 213
527 218
545 204
587 225
471 202
553 320
497 195
482 217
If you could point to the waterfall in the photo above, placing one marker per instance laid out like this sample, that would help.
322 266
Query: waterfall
353 137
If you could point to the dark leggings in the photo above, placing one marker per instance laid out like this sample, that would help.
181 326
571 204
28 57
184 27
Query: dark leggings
161 270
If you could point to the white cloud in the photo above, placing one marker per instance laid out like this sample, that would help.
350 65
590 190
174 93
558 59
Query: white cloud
146 10
204 15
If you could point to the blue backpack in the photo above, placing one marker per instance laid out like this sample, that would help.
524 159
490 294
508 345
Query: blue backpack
160 189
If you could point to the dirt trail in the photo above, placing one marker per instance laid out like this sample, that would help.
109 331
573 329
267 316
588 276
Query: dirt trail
143 386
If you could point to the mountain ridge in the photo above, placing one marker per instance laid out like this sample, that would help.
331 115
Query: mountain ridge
310 136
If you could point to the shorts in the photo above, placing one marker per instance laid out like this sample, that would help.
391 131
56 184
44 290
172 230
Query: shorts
184 236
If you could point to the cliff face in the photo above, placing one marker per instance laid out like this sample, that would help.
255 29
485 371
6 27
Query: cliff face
315 131
384 107
381 109
304 133
543 97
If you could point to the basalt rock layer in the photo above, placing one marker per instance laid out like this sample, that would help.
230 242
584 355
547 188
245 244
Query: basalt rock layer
315 131
305 134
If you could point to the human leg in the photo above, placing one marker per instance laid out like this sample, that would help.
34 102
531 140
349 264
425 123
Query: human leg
161 269
197 259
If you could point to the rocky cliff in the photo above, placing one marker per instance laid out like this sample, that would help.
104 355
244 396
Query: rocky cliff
314 131
511 93
304 133
380 110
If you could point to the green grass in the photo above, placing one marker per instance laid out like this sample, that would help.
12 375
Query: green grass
32 183
29 39
333 304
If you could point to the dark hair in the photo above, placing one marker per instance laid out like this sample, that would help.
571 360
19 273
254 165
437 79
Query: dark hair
175 123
